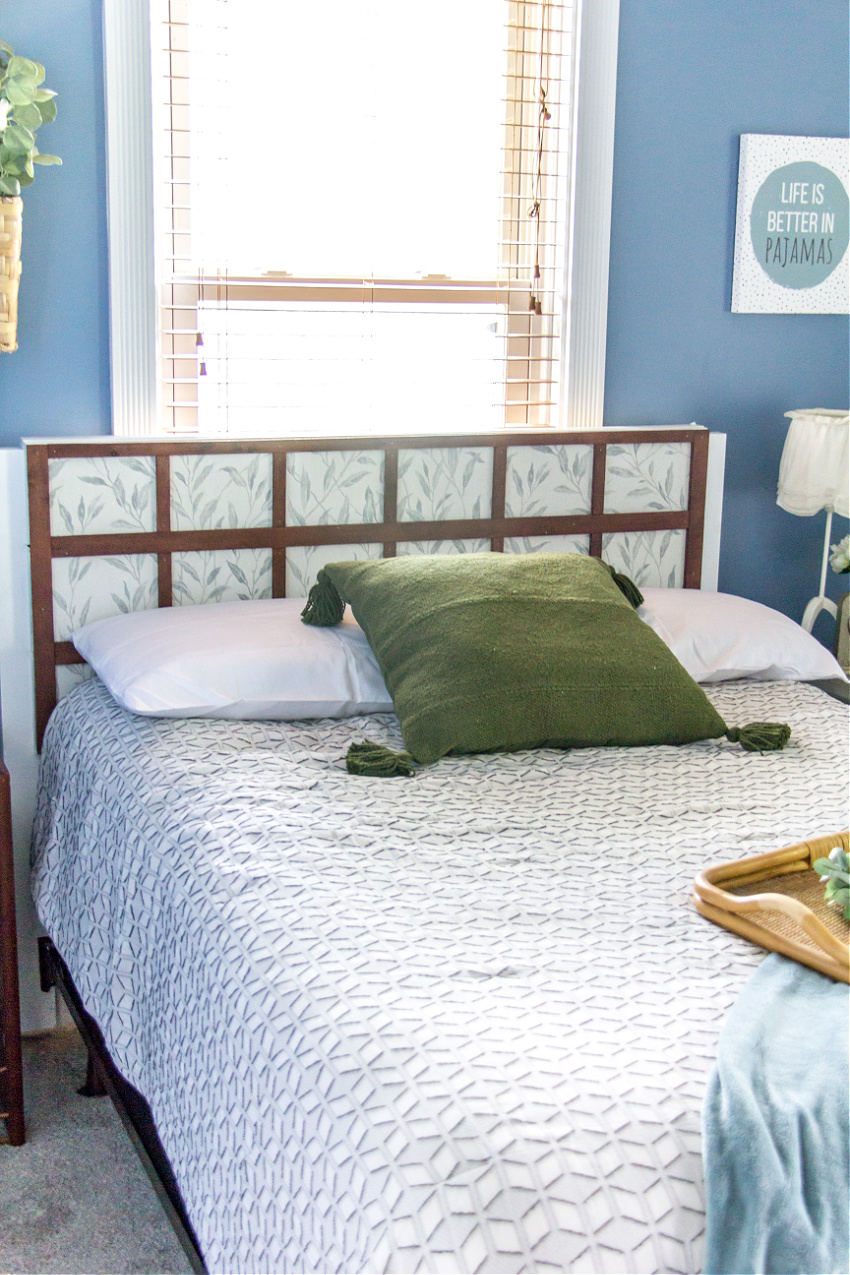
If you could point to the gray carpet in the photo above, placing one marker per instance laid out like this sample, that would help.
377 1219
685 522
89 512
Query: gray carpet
74 1199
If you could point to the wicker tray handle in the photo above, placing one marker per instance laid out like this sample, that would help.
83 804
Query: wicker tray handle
798 912
714 898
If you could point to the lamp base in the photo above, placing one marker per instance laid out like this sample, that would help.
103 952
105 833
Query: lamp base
814 609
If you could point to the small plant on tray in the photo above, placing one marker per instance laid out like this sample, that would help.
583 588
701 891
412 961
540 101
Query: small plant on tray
835 871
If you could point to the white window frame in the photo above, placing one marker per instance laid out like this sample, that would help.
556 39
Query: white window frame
134 315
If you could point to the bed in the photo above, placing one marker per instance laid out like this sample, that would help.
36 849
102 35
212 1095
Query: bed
459 1022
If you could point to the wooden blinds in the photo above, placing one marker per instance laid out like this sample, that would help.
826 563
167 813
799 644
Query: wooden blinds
363 212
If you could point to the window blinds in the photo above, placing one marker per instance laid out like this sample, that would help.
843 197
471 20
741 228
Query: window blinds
362 213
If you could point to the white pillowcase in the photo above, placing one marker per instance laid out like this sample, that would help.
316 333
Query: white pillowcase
718 636
235 660
246 660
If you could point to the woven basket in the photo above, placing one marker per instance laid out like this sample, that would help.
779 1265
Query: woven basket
777 901
10 270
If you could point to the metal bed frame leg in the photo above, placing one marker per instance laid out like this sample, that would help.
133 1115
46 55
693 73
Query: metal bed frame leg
94 1086
102 1077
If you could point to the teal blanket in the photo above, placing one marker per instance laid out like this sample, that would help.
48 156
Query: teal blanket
776 1128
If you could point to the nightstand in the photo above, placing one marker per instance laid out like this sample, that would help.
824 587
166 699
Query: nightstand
11 1086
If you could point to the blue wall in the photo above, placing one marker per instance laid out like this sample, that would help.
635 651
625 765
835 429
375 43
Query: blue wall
57 381
694 74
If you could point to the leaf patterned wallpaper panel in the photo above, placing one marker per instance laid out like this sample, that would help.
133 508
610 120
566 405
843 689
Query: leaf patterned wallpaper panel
70 675
549 480
304 563
221 575
87 589
209 492
438 483
646 476
416 548
652 558
547 544
334 488
99 495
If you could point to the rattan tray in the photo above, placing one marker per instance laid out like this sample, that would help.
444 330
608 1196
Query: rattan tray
777 901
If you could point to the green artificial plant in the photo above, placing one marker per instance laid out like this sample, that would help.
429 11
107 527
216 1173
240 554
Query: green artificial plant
24 107
835 871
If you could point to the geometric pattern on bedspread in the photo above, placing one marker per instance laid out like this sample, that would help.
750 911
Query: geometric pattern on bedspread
414 1025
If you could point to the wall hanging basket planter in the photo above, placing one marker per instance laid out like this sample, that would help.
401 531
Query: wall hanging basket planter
11 208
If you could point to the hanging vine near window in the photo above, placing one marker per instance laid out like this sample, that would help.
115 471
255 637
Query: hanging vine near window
543 117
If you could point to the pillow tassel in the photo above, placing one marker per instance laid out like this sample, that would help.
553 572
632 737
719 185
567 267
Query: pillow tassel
324 607
627 587
760 737
373 759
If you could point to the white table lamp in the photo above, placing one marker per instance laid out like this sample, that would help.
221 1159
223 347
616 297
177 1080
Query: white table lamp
814 474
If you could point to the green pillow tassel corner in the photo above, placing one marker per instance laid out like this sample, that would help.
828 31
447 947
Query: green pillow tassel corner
627 587
375 760
324 607
760 737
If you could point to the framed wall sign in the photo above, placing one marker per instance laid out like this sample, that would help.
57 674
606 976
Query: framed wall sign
793 226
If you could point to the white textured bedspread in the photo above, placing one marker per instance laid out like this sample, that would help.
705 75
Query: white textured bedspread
460 1022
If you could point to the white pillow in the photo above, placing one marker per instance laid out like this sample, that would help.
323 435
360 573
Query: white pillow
234 659
718 636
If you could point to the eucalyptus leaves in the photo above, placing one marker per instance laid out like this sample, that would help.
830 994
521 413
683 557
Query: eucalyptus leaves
835 871
24 107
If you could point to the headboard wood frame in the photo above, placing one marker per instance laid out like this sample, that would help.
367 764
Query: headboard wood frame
163 542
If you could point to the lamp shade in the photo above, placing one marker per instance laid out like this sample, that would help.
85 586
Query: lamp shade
814 472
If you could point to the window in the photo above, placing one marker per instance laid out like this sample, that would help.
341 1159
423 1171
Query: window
369 228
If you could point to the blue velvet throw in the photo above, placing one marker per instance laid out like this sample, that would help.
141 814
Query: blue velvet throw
776 1128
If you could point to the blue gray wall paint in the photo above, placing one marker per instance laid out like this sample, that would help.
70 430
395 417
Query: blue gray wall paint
57 381
693 76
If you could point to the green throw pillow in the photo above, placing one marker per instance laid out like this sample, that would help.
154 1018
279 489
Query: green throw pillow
491 651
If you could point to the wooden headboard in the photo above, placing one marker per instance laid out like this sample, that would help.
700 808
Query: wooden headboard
127 525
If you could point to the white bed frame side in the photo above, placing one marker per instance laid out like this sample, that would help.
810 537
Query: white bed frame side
17 724
713 511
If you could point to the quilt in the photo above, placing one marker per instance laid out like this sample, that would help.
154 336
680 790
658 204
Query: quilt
460 1022
777 1127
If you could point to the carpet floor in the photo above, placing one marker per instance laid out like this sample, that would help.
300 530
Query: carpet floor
74 1199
